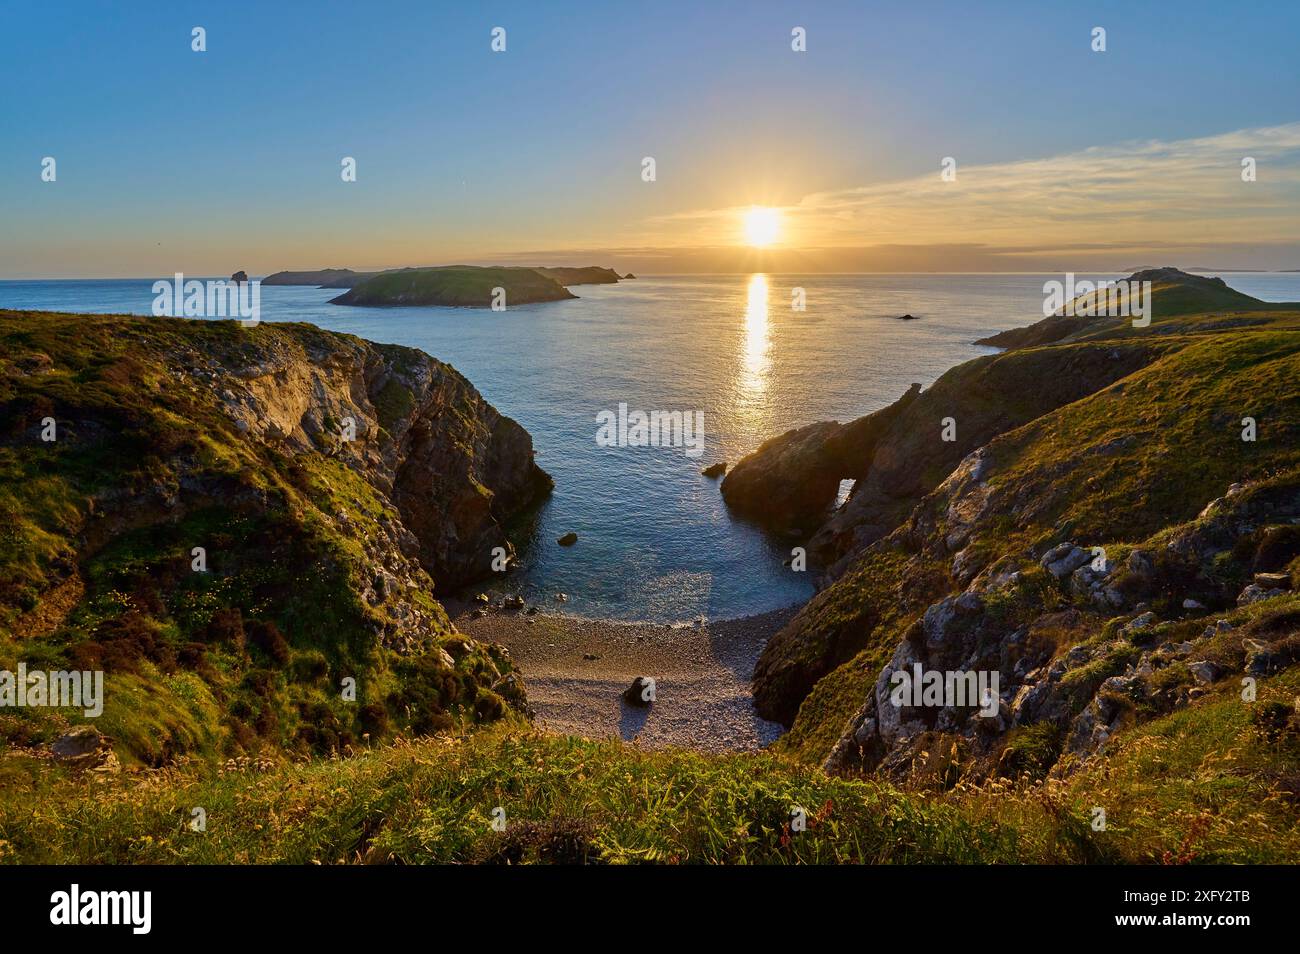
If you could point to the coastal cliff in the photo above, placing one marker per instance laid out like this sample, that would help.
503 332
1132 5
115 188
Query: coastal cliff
1105 532
232 521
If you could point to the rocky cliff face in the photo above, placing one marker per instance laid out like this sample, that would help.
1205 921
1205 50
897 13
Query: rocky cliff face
791 481
1085 644
413 427
240 523
900 453
1099 535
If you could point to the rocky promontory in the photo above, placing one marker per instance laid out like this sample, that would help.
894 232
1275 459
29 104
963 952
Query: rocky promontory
1096 521
248 527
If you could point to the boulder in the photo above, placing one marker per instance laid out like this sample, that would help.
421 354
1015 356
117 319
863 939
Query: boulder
1254 593
715 470
640 693
1064 559
1139 623
1260 659
1273 581
568 540
1203 671
83 748
79 741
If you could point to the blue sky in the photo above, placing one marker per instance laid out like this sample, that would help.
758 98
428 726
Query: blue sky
174 160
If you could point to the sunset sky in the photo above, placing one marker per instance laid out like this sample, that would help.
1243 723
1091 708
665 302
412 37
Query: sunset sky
170 160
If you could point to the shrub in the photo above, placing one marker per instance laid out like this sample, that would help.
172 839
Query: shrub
268 638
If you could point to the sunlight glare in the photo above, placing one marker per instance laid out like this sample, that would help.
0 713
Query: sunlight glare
762 226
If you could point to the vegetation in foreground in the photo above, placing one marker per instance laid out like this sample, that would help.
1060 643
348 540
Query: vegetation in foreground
1214 783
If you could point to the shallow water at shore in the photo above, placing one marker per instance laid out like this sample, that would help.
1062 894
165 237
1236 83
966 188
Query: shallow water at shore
655 541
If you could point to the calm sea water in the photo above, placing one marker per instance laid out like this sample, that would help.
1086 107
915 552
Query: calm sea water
655 540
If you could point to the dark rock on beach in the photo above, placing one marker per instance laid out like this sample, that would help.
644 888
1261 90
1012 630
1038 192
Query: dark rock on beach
639 694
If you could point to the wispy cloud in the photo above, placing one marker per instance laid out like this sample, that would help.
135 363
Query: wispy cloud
1137 194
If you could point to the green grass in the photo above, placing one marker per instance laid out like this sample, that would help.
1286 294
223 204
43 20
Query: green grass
1120 467
1201 785
97 529
564 799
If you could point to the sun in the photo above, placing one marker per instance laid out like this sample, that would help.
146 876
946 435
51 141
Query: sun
762 225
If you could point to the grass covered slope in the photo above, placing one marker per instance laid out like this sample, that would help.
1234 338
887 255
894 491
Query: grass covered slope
463 285
994 570
1205 785
1180 303
322 278
166 435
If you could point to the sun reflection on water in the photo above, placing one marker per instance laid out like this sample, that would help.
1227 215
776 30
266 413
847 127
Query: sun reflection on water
750 397
757 340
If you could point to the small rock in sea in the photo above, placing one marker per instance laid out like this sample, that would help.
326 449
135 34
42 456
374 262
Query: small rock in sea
561 597
513 602
640 693
715 470
907 317
568 540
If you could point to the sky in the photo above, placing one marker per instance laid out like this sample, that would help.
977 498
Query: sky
168 159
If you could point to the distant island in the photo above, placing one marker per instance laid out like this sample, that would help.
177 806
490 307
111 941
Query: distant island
450 285
323 278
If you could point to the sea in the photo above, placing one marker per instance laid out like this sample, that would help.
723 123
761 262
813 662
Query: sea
656 543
